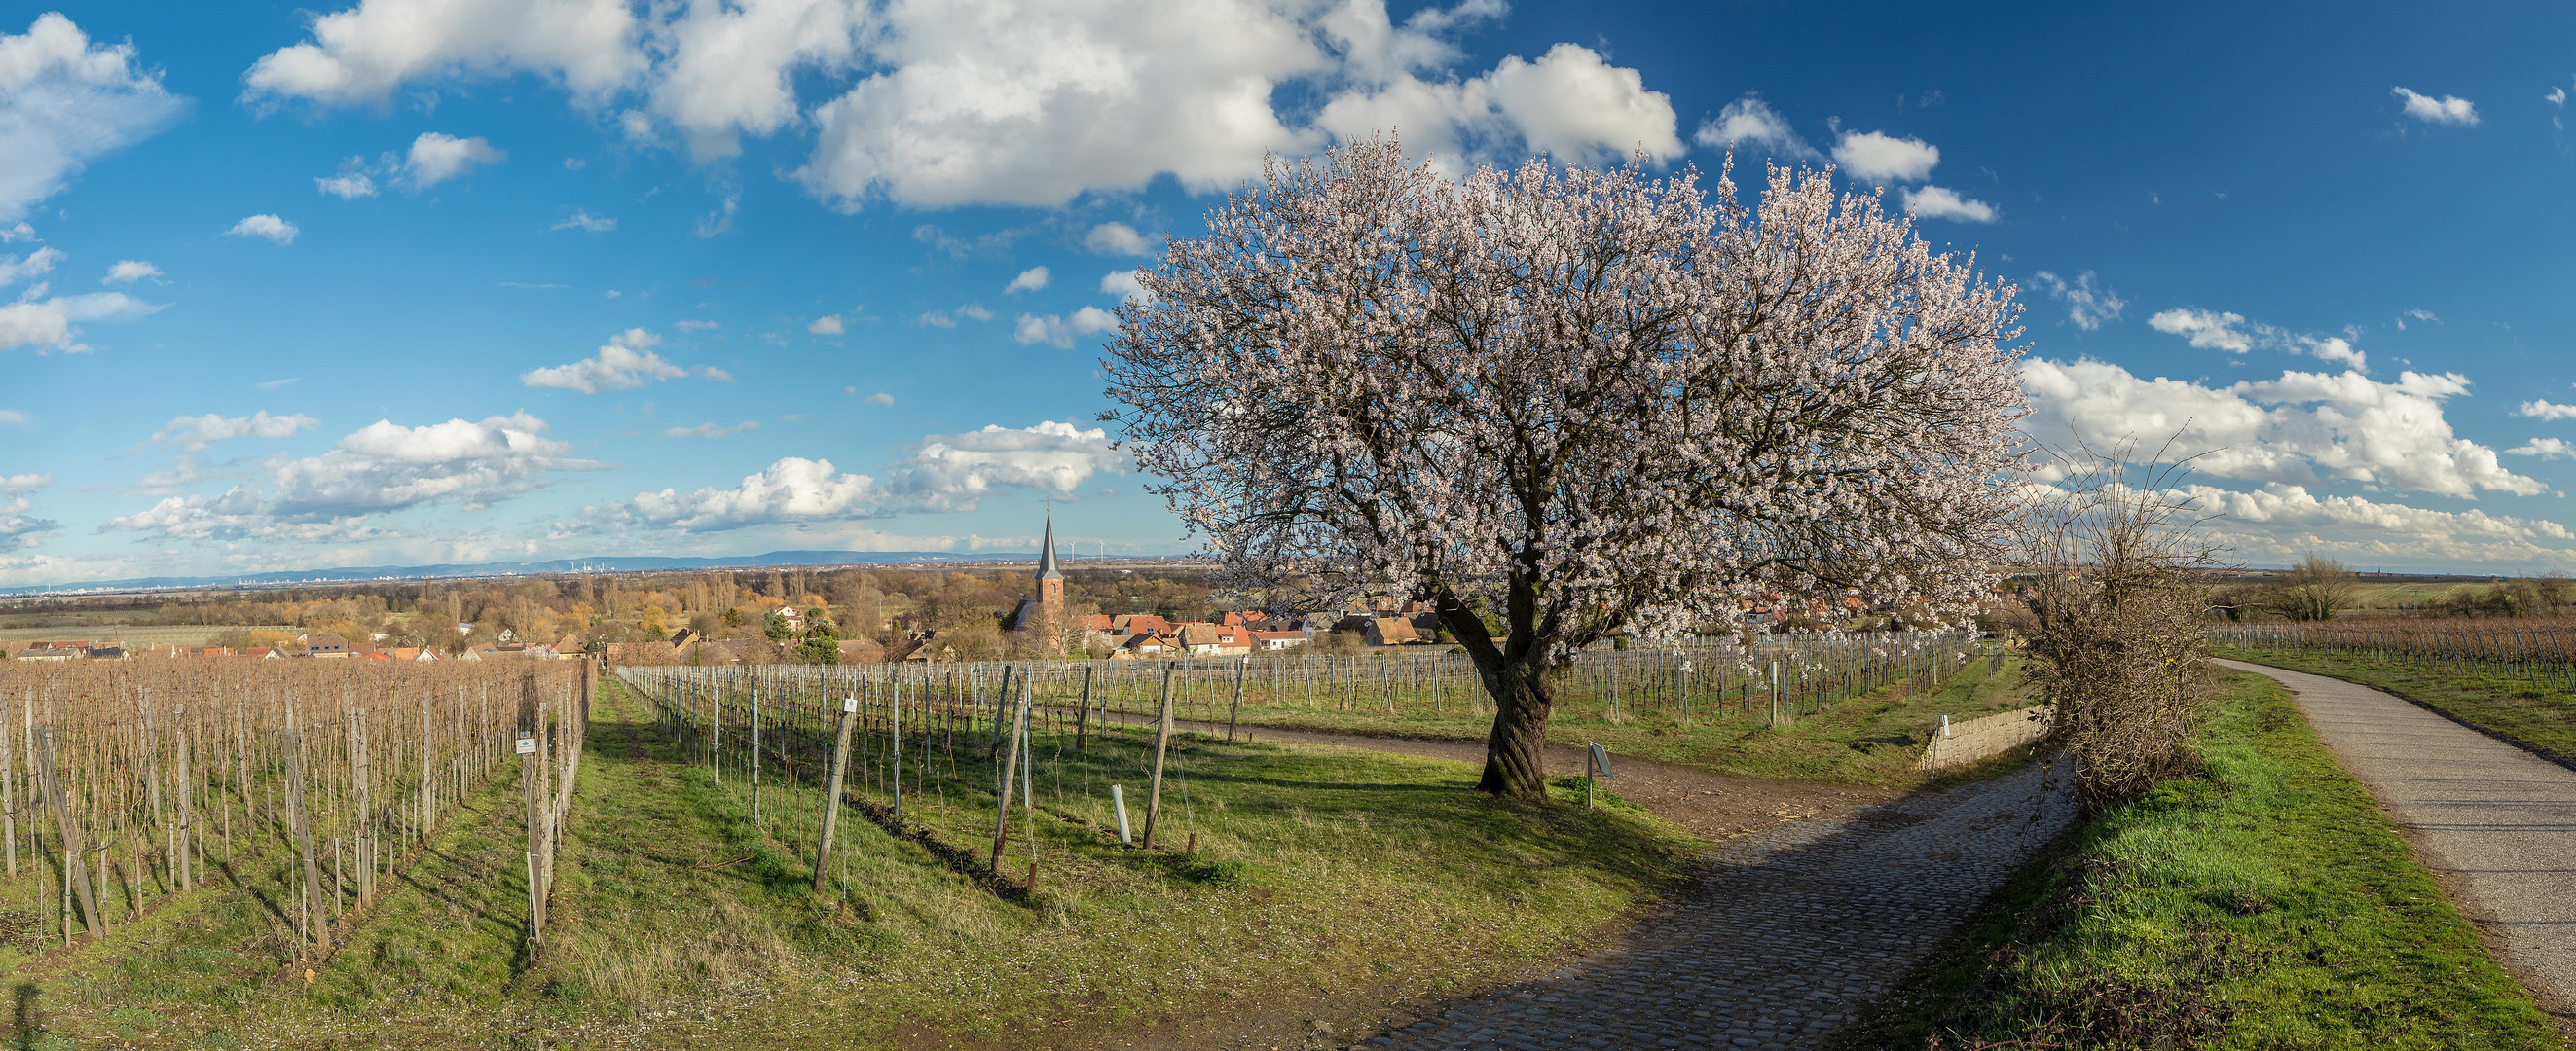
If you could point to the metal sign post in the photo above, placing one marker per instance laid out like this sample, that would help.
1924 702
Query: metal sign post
1596 764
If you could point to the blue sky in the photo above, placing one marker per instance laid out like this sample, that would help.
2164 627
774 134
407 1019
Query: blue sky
442 280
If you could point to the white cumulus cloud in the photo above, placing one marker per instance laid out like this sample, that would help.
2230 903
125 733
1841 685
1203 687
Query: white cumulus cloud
2087 306
54 322
585 222
195 433
2304 428
827 325
1940 202
934 103
129 271
36 264
1570 104
1123 284
380 469
2448 109
2282 523
712 430
944 472
2229 331
18 528
1749 121
1030 280
951 472
266 227
2545 448
436 158
1117 239
1058 331
626 362
1870 156
65 102
794 489
2548 410
349 185
360 55
2207 329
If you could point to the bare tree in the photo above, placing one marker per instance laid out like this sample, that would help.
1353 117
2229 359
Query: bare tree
2119 594
1562 403
2315 589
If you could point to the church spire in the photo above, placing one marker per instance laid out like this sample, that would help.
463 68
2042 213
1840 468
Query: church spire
1046 552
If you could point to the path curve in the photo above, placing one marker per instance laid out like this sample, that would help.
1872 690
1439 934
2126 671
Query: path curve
2497 823
1818 899
1789 934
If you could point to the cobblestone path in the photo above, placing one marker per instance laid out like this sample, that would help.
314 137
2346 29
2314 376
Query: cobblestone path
1792 931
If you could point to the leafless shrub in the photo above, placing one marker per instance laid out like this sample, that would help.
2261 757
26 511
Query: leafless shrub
2121 584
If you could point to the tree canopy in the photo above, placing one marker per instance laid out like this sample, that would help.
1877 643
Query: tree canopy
1586 401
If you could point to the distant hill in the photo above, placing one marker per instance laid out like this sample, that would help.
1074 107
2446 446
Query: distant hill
616 564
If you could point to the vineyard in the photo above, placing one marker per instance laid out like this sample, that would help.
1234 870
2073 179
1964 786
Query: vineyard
385 837
309 785
2542 652
952 754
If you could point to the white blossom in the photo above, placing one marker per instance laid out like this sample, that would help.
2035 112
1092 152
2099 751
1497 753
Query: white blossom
1585 401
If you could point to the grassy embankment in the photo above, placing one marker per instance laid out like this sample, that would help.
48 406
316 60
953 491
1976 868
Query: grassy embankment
2532 713
1873 739
1323 879
2267 904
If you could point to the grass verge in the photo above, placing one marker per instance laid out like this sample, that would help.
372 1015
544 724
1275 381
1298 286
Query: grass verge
2535 714
2267 904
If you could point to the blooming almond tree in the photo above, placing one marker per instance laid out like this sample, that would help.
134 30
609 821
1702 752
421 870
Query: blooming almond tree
1558 404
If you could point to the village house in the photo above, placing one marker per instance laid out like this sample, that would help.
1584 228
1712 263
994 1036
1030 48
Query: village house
1145 644
1215 640
1140 623
1392 631
54 651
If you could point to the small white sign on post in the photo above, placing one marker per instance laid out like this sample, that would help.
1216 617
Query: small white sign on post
849 706
527 745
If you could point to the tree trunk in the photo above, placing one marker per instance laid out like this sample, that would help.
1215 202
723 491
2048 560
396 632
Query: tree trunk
1515 753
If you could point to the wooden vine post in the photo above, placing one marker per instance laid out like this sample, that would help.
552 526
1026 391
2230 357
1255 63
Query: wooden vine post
1162 737
295 815
1019 737
75 872
832 802
532 785
1236 712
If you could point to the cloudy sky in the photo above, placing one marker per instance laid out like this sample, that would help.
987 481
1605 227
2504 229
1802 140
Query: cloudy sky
440 280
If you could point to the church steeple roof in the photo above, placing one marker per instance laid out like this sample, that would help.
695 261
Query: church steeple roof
1046 553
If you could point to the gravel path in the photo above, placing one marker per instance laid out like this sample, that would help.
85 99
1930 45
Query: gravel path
2498 824
1791 932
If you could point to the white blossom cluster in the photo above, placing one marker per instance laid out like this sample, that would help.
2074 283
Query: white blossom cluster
1588 401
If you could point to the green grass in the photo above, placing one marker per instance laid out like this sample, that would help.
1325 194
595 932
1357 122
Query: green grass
1873 739
2535 714
2268 904
1321 877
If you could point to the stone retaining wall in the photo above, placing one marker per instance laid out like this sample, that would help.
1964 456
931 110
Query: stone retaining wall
1978 738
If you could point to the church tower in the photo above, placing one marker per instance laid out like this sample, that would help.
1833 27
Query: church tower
1050 590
